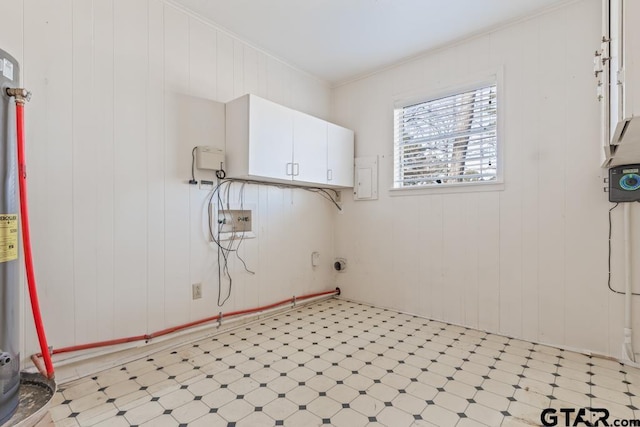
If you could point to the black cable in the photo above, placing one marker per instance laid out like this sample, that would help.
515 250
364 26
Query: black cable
242 235
221 251
225 250
223 269
193 160
229 247
325 194
610 227
221 181
210 215
325 191
609 279
233 232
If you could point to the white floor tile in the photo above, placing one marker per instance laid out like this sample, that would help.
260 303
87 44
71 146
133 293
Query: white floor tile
341 363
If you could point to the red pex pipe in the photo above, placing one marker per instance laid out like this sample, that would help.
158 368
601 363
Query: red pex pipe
26 241
98 344
186 325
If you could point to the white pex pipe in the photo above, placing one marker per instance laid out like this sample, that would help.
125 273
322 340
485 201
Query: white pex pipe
627 345
605 80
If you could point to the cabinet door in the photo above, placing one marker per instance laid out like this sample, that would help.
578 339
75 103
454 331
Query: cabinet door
339 156
270 139
309 148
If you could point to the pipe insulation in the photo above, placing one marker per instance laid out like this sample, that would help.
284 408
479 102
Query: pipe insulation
627 345
26 234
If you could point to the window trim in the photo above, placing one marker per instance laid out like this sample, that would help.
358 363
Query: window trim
494 76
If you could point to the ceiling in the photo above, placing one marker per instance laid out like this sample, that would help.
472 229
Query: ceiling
338 40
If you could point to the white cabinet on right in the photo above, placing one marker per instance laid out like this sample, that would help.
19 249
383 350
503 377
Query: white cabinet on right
309 148
339 156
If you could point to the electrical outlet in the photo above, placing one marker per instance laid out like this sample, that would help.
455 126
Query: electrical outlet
196 291
338 196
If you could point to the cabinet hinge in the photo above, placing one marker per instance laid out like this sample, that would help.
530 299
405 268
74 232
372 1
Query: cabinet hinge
604 50
620 76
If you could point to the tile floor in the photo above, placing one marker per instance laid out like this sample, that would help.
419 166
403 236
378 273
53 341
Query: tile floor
342 363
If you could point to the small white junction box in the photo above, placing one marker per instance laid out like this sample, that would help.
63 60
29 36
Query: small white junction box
209 158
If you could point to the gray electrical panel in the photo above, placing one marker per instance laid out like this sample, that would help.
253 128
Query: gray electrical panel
9 269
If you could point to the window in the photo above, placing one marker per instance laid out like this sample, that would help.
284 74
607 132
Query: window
447 140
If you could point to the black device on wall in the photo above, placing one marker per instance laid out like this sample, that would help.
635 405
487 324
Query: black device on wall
624 183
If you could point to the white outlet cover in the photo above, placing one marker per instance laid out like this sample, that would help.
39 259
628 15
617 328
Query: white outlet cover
315 259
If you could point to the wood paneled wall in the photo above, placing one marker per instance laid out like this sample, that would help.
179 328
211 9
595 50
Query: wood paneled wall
119 236
528 259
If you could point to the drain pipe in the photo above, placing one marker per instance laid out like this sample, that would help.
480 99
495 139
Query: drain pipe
21 96
627 345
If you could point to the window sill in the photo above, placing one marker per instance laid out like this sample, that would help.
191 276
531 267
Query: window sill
448 189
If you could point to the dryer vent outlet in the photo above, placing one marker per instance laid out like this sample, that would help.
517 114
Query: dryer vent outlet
340 264
5 359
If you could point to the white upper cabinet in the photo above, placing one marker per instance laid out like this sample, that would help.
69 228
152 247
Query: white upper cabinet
309 148
269 142
271 138
340 156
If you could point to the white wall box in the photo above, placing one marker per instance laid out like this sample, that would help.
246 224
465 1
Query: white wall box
624 86
270 142
208 157
366 180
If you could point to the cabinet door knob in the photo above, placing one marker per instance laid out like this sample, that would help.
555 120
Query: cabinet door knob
296 169
329 174
289 168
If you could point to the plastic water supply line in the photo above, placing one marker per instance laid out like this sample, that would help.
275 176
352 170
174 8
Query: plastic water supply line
218 317
21 96
627 344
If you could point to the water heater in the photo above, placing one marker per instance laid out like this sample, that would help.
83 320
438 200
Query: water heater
9 269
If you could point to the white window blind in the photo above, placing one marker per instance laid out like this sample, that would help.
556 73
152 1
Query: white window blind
447 140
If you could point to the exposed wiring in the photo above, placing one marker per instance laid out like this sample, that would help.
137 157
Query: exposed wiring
222 193
223 269
325 192
193 160
241 195
609 278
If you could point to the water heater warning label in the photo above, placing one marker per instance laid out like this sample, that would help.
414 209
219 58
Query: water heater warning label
8 237
7 69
